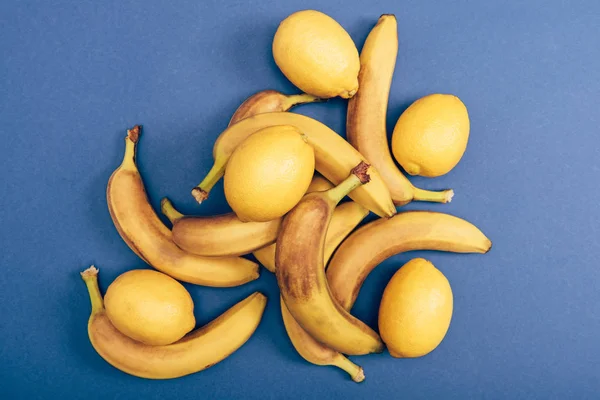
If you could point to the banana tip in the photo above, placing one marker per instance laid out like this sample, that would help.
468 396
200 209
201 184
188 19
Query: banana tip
134 133
449 195
91 271
361 172
360 376
199 194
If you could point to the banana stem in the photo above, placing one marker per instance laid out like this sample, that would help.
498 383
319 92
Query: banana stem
444 196
90 277
169 210
356 373
133 135
201 191
358 177
296 99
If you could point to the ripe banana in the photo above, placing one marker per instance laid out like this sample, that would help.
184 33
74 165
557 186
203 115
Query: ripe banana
301 275
334 157
315 352
221 235
345 218
198 350
261 102
366 120
363 250
311 350
150 239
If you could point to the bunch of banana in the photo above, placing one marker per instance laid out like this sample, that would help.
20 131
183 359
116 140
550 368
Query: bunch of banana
198 350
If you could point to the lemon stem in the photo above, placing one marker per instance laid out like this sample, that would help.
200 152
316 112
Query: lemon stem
201 191
444 196
169 210
358 177
90 277
297 99
356 373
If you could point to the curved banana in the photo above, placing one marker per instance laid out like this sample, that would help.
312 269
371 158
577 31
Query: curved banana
363 250
195 352
311 350
315 352
345 218
220 235
301 276
150 239
261 102
366 120
334 157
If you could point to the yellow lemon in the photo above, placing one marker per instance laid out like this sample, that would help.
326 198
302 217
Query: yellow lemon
431 136
150 307
268 173
317 55
415 310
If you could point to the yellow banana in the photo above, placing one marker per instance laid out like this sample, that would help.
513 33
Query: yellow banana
262 102
198 350
220 235
301 275
334 157
150 239
363 250
345 218
366 121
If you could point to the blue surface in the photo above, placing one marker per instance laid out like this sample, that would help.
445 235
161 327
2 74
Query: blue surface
75 74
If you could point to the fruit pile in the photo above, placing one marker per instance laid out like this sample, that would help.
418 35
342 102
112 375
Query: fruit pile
291 219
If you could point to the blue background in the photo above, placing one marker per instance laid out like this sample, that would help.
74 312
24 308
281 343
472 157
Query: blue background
75 74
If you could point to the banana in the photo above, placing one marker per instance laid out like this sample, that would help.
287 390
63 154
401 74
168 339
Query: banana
261 102
149 238
345 218
221 235
315 352
195 352
366 119
311 350
363 250
301 275
334 157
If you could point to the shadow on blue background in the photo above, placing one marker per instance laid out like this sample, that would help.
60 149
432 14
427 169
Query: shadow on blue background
75 75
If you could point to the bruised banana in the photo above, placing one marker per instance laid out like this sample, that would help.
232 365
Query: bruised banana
311 350
262 102
374 242
366 119
334 157
220 235
149 238
226 235
301 275
345 218
198 350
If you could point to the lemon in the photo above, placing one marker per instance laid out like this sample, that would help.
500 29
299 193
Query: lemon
150 307
268 173
415 310
317 55
431 136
